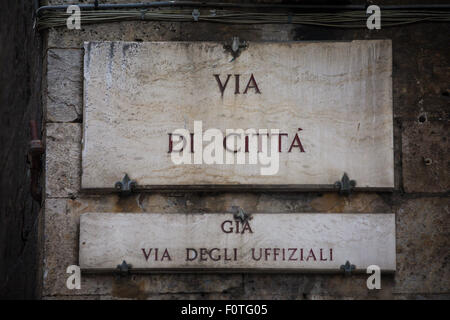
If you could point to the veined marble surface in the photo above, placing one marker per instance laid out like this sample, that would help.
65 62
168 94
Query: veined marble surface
338 93
216 241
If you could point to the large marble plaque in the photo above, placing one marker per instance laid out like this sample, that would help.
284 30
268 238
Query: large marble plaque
218 242
331 103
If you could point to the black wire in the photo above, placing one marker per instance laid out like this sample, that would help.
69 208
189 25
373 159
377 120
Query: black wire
242 5
348 19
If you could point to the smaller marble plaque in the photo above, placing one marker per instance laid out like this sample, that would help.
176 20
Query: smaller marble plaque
219 242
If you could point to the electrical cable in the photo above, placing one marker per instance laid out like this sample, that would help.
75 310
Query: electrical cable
338 16
341 19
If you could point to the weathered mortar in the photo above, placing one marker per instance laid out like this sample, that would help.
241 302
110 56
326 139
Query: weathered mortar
421 73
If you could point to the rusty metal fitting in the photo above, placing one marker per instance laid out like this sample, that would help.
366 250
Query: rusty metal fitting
36 146
428 161
35 151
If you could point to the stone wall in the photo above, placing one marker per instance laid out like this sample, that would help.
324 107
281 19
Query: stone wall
20 78
421 73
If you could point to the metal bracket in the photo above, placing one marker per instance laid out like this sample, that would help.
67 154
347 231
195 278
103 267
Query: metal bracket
195 14
143 12
126 186
345 185
235 47
348 268
240 214
123 269
35 151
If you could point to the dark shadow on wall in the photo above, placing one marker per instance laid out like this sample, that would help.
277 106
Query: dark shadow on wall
20 84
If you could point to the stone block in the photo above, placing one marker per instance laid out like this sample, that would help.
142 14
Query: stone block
64 85
314 287
423 229
61 250
125 31
62 163
426 156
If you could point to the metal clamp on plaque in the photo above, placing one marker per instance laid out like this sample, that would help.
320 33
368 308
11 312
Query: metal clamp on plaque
195 14
35 151
235 47
240 214
348 268
123 269
345 185
126 186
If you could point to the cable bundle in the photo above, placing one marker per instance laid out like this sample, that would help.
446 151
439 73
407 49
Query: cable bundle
344 19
